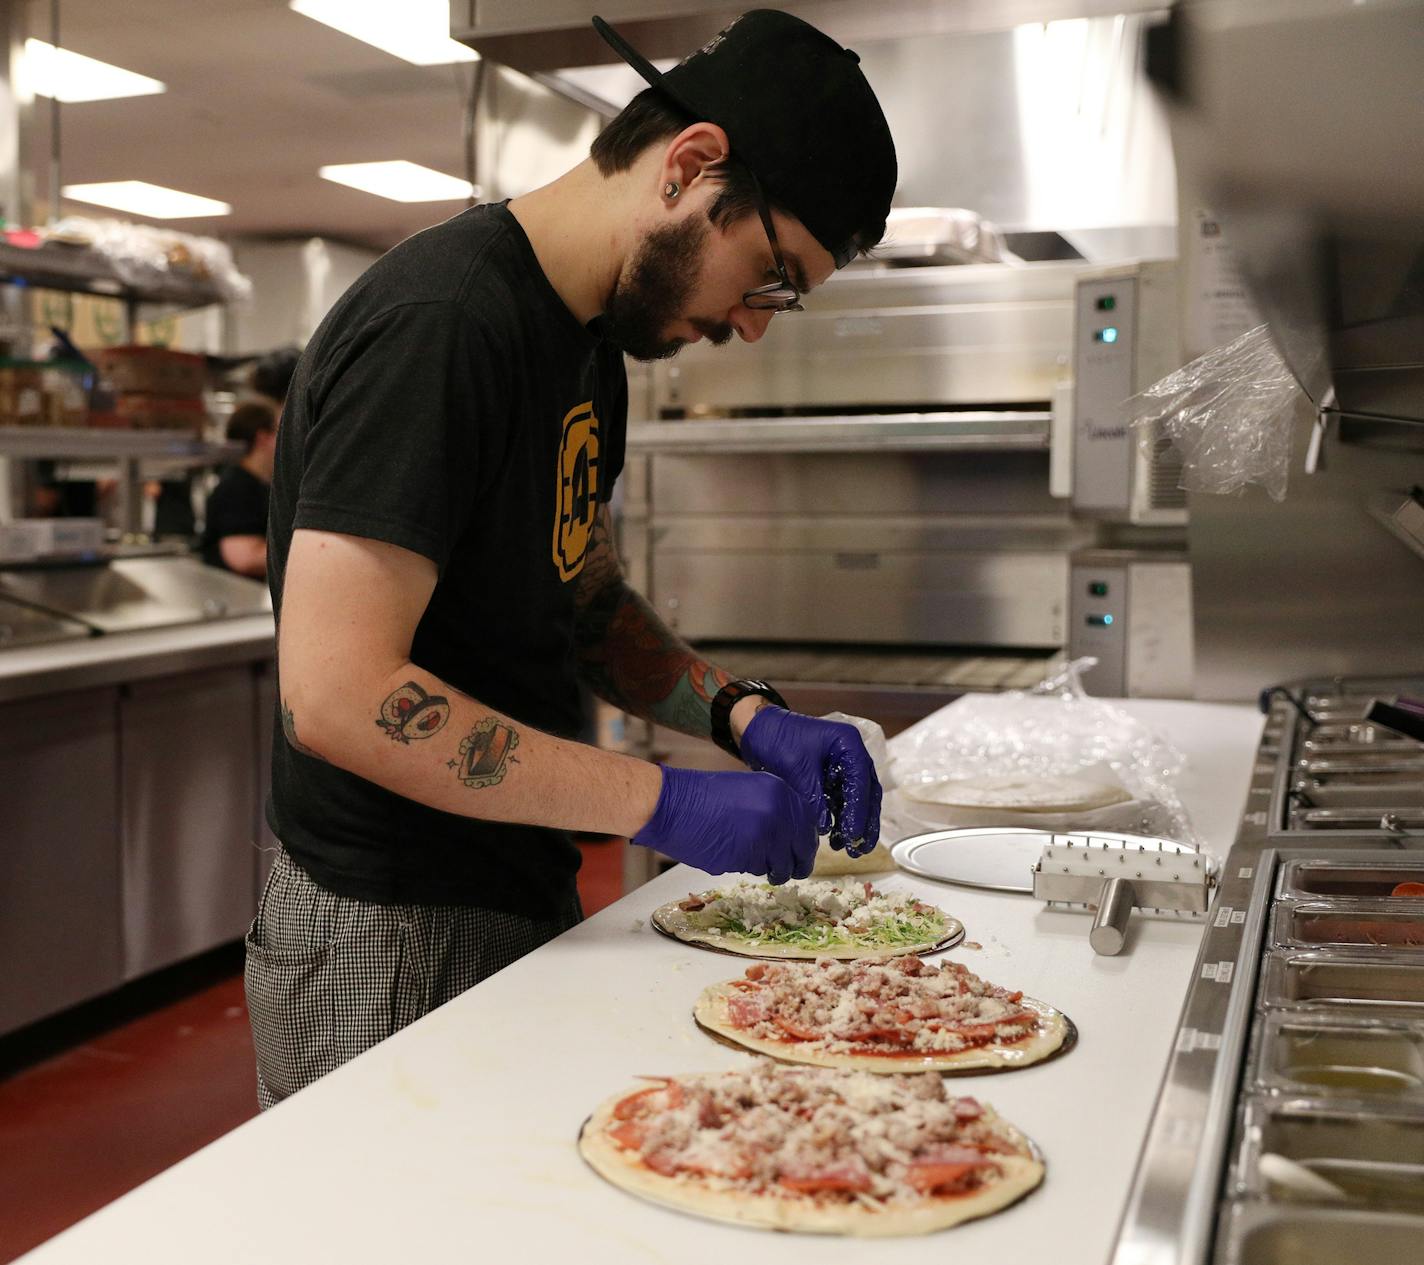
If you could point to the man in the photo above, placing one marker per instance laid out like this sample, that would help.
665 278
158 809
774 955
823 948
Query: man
235 528
443 565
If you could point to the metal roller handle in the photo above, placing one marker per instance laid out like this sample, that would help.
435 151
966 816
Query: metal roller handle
1109 931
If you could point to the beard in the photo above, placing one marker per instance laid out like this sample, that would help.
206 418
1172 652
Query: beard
653 289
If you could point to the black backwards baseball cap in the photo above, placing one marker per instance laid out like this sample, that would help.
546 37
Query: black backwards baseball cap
798 111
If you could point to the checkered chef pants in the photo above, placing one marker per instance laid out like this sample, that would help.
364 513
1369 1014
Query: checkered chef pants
328 977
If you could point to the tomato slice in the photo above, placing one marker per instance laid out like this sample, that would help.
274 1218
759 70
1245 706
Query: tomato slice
928 1178
812 1182
799 1031
631 1133
1408 889
635 1103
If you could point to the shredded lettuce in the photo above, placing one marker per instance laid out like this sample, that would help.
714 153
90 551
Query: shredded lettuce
901 928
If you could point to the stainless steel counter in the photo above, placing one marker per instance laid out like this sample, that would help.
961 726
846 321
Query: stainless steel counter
37 670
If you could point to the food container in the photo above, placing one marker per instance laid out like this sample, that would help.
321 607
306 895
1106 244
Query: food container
1272 1234
1361 981
1339 1056
1374 1159
1391 924
1306 880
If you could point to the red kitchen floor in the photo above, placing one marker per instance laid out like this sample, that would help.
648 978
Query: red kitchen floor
83 1126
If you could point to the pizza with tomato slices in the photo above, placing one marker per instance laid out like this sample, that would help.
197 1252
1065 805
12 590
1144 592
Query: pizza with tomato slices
812 1149
809 918
896 1016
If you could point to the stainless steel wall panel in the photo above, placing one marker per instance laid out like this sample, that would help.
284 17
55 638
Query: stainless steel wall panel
59 864
1309 587
189 784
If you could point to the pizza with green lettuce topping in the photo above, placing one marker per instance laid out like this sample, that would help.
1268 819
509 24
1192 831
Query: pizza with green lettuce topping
809 919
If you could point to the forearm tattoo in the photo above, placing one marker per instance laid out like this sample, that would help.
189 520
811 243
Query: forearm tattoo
410 712
289 731
486 753
630 657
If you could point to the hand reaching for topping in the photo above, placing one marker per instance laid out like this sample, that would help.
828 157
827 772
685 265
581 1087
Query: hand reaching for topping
725 822
826 762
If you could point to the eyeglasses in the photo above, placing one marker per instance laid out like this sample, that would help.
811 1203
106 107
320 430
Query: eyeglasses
782 295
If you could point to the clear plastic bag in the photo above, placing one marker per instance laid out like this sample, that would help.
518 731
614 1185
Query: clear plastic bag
145 255
1228 413
1052 731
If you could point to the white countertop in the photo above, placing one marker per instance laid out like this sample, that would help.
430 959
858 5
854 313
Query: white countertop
454 1140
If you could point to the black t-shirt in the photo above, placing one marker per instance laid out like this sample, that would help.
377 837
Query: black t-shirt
452 405
237 506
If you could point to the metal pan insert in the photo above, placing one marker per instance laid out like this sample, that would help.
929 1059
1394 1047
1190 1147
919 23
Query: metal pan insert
1327 1056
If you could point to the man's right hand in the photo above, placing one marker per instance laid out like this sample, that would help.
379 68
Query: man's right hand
733 822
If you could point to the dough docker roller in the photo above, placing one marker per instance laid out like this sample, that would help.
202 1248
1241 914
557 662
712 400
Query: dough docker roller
1100 870
1112 873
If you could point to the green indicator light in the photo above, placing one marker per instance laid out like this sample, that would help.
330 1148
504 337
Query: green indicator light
1107 303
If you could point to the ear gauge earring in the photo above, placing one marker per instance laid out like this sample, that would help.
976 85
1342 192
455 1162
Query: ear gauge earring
671 190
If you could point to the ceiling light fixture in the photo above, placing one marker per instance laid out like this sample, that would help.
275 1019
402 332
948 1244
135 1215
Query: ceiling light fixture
140 198
400 181
66 76
417 31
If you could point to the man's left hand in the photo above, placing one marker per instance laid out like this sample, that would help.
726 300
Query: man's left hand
825 761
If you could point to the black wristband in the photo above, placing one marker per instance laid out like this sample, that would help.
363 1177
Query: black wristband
727 698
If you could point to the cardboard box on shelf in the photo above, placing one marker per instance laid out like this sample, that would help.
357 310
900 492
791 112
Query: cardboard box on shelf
22 395
159 412
152 370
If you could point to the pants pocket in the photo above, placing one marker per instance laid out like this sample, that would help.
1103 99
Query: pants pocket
290 1003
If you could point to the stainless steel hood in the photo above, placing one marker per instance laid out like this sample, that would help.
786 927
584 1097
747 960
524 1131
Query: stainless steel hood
1301 120
1046 128
555 34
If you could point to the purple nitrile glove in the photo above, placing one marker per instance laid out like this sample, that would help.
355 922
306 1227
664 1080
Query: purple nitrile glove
729 822
826 761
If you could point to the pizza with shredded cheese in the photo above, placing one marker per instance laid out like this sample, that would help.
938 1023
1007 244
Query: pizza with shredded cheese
809 919
812 1149
895 1016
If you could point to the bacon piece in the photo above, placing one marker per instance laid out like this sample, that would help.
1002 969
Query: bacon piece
967 1109
757 971
692 904
744 1011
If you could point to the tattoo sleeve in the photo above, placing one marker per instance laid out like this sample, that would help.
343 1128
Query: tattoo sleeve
629 657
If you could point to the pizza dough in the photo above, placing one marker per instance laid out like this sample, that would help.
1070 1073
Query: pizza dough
693 927
1054 1032
835 861
1017 1170
1018 793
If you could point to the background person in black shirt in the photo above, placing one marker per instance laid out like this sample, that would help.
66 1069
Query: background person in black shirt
235 530
443 567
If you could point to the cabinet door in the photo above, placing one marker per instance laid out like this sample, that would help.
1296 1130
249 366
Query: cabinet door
59 854
188 771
